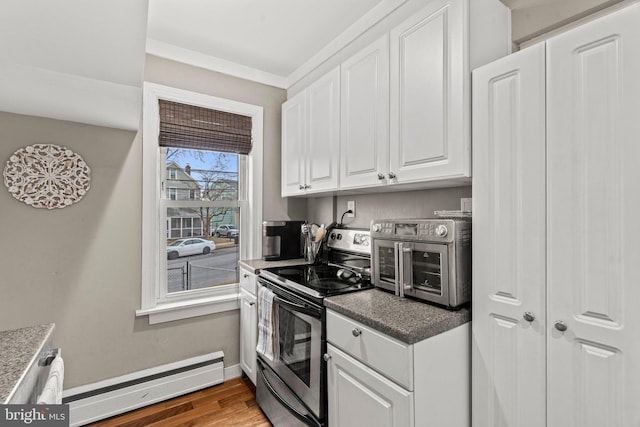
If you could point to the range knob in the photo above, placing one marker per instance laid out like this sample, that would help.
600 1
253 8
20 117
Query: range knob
333 236
441 231
339 236
376 228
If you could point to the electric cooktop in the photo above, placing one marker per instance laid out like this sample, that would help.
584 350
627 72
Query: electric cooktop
318 280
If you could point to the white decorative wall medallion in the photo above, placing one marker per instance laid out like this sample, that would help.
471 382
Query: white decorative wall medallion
47 176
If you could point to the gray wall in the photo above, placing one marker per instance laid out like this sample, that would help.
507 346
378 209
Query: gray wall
399 204
79 267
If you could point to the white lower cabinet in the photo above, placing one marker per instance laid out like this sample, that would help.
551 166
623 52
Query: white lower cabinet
359 396
248 324
376 380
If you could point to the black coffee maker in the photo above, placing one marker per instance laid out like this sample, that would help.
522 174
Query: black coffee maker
282 240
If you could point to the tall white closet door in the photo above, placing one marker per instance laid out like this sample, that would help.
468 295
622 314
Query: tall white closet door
593 147
508 345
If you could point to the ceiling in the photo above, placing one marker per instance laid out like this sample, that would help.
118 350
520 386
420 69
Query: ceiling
73 60
268 38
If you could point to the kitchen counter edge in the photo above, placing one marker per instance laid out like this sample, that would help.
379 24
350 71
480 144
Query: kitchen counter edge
255 265
20 349
404 319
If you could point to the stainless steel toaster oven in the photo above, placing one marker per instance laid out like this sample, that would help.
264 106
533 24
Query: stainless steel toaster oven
427 259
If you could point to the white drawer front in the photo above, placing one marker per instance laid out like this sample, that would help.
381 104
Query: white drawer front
248 282
386 355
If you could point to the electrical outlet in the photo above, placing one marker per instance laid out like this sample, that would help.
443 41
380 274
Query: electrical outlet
351 205
465 204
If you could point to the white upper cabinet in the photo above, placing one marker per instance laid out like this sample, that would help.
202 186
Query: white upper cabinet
293 145
364 125
429 135
402 112
311 138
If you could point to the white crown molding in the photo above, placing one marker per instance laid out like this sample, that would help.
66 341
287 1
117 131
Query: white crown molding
371 18
201 60
45 93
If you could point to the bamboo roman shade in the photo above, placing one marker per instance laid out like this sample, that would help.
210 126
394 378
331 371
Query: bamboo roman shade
198 128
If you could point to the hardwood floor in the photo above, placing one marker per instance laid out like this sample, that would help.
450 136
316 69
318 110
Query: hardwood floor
232 403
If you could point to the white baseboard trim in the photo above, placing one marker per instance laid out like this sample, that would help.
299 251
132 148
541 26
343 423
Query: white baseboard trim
122 394
232 372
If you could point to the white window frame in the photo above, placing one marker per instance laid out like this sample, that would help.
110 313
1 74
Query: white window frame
154 302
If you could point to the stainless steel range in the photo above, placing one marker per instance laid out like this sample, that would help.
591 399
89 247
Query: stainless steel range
292 385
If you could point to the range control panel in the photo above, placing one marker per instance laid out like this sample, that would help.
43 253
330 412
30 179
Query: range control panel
352 240
435 230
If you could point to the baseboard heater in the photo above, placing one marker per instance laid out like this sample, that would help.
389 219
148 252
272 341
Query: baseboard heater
105 399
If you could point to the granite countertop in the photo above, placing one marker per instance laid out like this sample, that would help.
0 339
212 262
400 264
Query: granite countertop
19 349
255 265
407 320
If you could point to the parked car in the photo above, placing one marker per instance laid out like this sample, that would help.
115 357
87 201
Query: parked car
192 246
227 230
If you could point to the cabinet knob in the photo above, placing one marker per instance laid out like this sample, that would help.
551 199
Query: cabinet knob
245 275
356 332
528 316
301 187
392 175
560 325
380 176
326 357
306 186
252 303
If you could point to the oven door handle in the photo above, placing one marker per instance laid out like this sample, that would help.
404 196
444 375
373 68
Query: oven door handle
302 417
299 308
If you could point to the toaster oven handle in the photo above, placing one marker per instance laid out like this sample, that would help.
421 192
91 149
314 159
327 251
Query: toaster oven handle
402 251
396 268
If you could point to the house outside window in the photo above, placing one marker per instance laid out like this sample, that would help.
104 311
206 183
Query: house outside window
196 190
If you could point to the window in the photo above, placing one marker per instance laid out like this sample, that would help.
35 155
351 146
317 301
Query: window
172 193
188 191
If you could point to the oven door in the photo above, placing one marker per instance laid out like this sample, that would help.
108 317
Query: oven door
299 340
415 269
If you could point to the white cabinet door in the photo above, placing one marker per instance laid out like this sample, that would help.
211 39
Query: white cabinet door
364 135
429 121
593 144
323 133
293 145
358 396
248 333
509 241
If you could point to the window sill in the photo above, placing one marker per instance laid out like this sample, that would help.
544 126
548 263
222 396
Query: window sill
168 312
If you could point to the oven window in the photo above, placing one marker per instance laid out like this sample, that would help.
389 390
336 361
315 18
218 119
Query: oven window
427 271
294 335
387 263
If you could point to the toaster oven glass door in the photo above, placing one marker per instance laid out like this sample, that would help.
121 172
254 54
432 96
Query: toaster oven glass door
428 270
421 269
